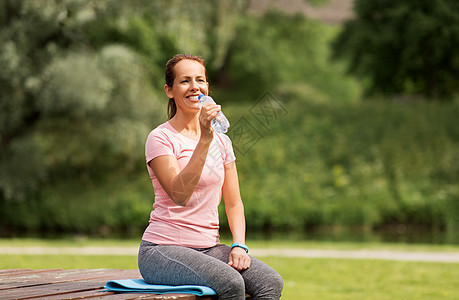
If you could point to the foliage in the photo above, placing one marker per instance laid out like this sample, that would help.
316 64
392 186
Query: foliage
368 164
277 50
56 91
80 85
76 82
117 206
404 46
160 29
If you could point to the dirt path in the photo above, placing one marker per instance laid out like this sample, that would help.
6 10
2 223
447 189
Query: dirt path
446 257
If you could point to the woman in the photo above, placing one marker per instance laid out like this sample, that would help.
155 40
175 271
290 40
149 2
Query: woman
191 168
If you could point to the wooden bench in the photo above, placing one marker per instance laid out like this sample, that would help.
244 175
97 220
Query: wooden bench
73 284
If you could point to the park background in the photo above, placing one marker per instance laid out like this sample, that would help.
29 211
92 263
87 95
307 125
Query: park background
343 118
343 114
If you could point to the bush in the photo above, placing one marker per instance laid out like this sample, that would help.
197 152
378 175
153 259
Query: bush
118 206
368 164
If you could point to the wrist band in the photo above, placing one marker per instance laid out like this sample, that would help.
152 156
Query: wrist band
240 246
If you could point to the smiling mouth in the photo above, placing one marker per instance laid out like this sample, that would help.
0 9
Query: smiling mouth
193 98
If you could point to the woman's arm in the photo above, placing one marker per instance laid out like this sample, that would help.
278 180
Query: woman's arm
234 207
180 185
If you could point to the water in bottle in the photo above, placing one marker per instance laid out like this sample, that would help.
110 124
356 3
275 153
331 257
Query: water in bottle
220 123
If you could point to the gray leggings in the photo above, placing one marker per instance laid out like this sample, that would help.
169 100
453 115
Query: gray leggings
177 265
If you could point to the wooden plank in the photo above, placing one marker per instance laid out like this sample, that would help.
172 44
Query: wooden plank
72 274
63 276
80 280
18 272
14 280
9 271
74 284
10 277
100 294
49 289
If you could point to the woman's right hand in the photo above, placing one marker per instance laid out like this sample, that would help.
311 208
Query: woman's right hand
208 112
180 184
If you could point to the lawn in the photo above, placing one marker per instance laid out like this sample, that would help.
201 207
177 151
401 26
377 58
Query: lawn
366 279
304 278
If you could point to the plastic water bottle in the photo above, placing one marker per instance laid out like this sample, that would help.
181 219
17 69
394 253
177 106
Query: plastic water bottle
220 123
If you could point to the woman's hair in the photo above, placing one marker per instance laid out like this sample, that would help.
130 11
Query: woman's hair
170 77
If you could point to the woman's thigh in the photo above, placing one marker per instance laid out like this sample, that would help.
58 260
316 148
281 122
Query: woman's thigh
176 265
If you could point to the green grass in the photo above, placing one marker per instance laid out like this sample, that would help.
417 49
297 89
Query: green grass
304 278
366 279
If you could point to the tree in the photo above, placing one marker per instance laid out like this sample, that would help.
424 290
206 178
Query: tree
404 46
79 85
67 110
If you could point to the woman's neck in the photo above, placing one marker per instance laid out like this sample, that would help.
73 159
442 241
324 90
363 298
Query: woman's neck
186 124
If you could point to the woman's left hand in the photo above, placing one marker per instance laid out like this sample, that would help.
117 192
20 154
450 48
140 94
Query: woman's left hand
239 259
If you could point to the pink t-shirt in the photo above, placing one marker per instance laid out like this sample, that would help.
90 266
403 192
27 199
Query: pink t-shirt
196 224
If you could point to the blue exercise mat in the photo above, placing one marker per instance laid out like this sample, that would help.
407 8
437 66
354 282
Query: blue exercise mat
140 286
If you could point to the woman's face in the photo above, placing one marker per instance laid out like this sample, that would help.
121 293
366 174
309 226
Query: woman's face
190 81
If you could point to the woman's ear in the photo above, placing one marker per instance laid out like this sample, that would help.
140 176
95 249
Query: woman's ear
168 91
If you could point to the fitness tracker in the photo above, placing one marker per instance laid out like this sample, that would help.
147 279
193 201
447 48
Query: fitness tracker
240 246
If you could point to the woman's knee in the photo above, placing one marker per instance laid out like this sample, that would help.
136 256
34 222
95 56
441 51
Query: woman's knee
276 284
263 282
272 287
232 287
